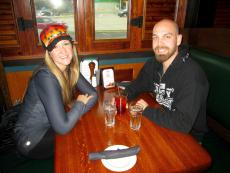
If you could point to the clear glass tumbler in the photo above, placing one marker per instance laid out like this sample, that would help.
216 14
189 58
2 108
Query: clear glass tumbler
135 116
110 111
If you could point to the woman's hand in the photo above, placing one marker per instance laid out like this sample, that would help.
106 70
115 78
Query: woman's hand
84 98
142 103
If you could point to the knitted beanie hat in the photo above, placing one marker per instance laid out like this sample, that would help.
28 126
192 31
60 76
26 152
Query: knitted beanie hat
52 34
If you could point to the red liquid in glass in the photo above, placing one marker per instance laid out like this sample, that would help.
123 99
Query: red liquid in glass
120 104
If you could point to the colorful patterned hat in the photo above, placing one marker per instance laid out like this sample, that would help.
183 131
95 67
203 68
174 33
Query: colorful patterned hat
52 34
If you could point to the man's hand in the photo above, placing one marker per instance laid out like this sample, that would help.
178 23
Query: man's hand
142 103
84 98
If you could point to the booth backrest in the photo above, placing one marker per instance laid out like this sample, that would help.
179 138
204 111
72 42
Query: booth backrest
217 69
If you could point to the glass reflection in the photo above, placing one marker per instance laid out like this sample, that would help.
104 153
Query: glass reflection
55 11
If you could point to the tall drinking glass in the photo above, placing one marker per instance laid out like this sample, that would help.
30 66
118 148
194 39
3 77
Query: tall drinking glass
121 101
135 115
110 111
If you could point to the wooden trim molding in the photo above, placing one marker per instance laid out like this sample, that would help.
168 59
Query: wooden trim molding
181 13
4 87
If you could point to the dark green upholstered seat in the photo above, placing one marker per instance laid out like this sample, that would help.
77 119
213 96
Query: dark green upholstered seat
217 69
11 162
220 152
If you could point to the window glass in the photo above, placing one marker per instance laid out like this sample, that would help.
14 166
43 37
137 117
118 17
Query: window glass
111 19
55 11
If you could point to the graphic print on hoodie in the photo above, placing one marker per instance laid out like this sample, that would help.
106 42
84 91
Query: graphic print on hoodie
163 95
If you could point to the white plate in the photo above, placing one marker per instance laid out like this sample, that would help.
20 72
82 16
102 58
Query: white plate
120 164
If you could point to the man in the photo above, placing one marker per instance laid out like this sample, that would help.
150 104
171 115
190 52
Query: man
179 84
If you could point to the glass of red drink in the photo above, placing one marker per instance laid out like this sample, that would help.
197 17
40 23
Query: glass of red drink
120 100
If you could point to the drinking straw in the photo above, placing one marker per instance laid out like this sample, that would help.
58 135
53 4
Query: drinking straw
118 90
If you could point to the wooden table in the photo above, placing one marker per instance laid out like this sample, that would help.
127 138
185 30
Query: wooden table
162 150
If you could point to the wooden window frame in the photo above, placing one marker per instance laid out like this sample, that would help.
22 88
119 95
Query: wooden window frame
28 47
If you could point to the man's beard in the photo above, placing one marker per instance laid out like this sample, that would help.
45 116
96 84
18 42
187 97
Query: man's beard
164 57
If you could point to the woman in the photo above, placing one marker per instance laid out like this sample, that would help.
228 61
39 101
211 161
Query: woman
50 90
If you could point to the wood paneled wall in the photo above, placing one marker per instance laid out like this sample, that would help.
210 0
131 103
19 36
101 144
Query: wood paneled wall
222 14
156 10
8 32
17 84
215 40
135 66
18 81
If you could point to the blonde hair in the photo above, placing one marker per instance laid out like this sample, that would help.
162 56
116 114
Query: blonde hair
68 80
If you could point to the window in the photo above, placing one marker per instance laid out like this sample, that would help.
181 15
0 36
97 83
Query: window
111 19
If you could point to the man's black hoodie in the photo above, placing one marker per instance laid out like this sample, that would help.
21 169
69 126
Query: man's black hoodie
182 91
